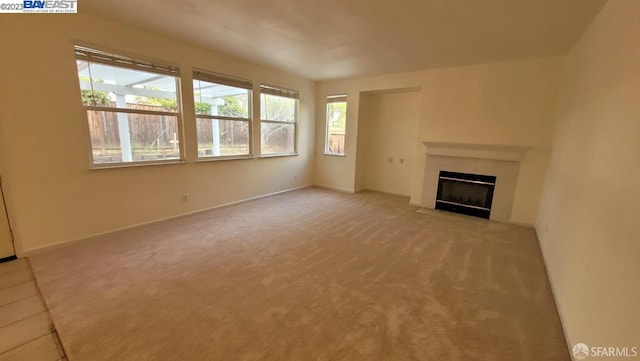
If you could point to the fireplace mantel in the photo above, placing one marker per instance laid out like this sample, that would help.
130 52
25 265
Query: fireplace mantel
513 153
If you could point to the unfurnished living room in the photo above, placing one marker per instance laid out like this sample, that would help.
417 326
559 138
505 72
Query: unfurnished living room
320 180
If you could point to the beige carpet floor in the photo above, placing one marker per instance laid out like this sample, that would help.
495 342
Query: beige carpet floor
306 275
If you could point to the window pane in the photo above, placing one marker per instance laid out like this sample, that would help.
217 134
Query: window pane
221 137
273 107
219 99
124 137
112 86
278 138
336 126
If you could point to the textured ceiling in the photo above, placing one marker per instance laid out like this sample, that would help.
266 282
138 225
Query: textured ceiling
331 39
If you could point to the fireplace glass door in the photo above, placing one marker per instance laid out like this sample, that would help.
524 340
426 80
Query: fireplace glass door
470 194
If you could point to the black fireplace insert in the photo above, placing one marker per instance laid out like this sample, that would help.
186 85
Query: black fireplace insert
470 194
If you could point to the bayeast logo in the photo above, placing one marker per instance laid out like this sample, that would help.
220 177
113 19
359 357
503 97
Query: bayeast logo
582 351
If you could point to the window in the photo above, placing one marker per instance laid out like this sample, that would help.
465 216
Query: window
223 108
278 126
132 106
336 124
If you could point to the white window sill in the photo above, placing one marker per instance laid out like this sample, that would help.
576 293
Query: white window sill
278 155
135 164
223 158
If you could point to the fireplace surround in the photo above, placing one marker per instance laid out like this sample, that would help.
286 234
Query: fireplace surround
500 161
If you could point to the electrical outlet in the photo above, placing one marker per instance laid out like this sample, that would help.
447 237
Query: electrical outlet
184 198
295 177
401 160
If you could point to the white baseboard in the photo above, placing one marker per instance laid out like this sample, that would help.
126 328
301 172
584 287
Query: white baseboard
553 293
339 189
386 192
116 231
520 223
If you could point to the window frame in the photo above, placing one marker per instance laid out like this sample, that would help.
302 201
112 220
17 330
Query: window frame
228 80
284 93
92 54
337 98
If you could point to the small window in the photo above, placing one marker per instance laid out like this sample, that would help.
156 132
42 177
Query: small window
278 125
132 106
336 125
223 115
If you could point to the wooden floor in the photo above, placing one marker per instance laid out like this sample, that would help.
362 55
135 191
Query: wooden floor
26 331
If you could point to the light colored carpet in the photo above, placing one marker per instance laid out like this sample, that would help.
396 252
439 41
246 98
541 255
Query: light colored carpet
306 275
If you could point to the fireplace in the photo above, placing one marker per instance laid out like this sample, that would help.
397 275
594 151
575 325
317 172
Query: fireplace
501 161
470 194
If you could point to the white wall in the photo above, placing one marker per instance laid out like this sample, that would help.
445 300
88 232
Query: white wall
52 195
387 119
588 225
500 103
